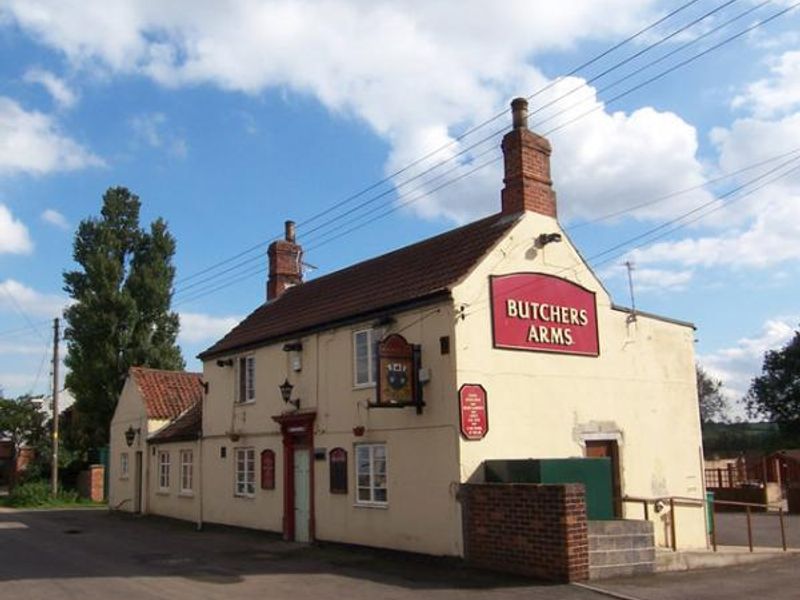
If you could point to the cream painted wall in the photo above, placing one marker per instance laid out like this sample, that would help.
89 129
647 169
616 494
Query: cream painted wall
640 390
422 448
129 412
174 502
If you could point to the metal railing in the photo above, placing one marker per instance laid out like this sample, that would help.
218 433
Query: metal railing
674 501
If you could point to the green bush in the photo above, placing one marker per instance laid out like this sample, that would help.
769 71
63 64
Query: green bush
37 493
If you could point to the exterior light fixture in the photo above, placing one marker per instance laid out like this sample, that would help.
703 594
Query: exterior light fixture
227 362
130 435
286 393
547 238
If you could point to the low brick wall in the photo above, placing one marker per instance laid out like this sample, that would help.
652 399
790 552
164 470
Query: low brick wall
535 530
90 483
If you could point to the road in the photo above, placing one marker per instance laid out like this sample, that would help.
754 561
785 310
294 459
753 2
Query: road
91 554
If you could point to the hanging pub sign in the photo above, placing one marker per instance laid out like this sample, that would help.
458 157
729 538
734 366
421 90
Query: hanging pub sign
543 313
398 365
473 411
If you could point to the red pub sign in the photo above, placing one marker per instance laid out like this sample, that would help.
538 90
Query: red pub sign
473 410
543 313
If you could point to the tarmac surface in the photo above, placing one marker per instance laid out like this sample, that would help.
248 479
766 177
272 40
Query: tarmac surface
91 554
766 528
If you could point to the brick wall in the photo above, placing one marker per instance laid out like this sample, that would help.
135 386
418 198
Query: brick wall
527 529
90 483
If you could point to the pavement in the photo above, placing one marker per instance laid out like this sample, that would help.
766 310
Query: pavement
766 527
93 554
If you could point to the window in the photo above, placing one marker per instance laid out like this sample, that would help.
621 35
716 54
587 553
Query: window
123 465
245 472
187 471
247 379
371 470
163 470
365 356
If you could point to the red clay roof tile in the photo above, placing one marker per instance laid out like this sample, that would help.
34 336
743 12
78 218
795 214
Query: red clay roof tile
167 394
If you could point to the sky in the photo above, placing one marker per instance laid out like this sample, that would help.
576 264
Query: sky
677 150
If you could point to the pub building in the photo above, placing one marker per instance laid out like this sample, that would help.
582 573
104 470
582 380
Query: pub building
358 406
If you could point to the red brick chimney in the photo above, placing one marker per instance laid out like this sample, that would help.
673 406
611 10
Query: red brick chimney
527 167
285 264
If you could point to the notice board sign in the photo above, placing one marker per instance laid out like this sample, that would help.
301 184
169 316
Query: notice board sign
338 470
474 411
543 313
267 470
397 372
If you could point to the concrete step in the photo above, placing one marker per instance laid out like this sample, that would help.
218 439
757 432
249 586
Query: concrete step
626 556
619 526
621 541
688 560
608 571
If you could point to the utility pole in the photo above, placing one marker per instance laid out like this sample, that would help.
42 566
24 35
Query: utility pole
629 265
54 471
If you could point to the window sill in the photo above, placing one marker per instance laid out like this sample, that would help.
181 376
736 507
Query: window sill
363 386
245 403
124 477
380 505
186 494
162 492
245 496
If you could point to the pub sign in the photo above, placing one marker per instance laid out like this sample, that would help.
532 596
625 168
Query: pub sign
397 371
473 411
267 470
543 313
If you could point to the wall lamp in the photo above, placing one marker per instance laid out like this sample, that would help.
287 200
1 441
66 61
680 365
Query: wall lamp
130 435
547 238
286 393
224 362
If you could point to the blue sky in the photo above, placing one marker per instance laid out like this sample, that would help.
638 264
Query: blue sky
228 118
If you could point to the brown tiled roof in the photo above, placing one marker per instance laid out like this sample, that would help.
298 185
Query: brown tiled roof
184 428
414 273
167 394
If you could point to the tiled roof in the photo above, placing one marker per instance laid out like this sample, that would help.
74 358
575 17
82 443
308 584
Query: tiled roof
413 273
167 394
184 428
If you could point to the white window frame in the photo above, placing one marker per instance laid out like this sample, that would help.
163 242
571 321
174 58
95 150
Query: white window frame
372 486
246 394
124 465
187 472
244 480
372 336
163 471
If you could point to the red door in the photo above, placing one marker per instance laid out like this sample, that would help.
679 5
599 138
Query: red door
608 449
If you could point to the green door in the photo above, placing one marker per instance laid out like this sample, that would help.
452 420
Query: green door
302 495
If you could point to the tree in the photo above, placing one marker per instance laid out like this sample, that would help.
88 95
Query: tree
25 425
121 315
775 394
713 406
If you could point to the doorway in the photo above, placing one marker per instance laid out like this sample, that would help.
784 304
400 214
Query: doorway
302 496
609 449
137 483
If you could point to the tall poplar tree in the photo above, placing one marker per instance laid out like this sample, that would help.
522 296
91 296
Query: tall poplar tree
121 313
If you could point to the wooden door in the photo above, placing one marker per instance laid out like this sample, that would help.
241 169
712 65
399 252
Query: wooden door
137 484
609 449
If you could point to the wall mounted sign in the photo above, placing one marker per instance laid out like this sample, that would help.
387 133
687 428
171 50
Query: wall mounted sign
473 411
397 371
543 313
267 470
338 468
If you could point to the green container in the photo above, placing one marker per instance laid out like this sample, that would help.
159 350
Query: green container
593 473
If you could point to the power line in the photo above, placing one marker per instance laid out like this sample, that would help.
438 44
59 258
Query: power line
462 136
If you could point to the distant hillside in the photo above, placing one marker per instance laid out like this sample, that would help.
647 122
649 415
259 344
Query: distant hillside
723 439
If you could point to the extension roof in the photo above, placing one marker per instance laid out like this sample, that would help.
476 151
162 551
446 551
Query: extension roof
186 427
421 272
167 394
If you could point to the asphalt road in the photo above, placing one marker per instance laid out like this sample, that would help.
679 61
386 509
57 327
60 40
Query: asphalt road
91 554
766 528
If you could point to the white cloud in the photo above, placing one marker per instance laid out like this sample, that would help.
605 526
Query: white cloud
54 217
777 93
736 365
14 294
30 142
360 59
151 128
55 86
198 327
649 280
18 349
14 238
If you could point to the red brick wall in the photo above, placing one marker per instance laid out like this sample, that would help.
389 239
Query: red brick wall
90 483
527 529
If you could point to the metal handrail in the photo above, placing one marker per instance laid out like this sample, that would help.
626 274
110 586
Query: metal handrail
684 500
